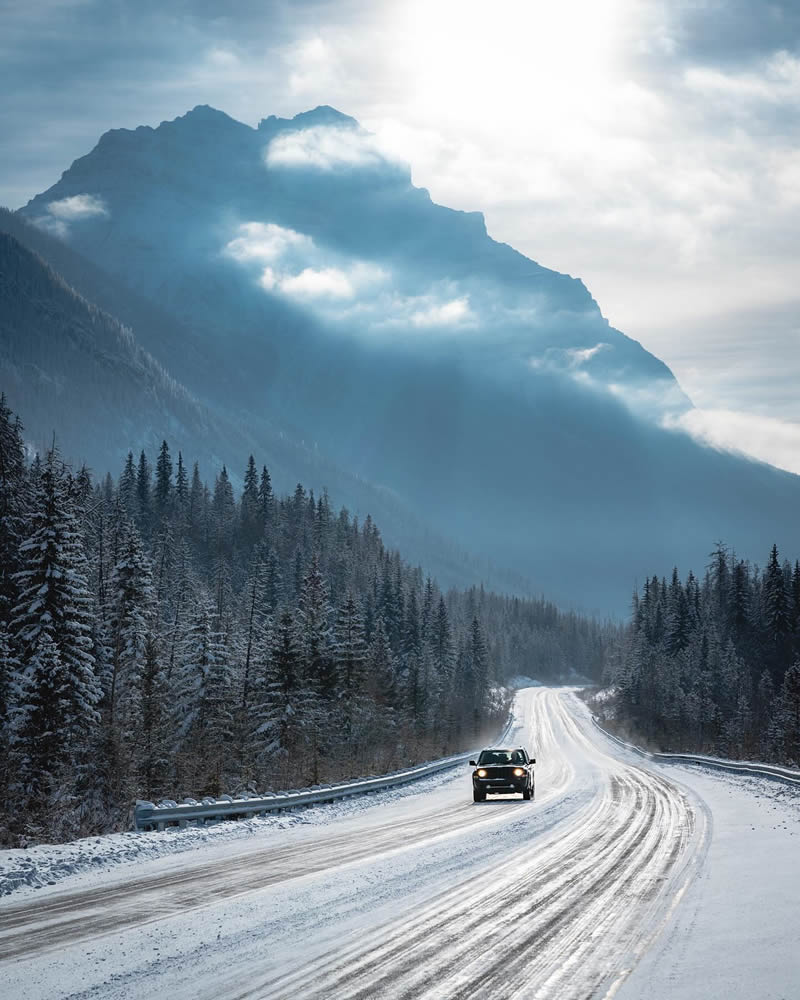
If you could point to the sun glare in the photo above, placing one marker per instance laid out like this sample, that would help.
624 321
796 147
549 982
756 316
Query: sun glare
510 58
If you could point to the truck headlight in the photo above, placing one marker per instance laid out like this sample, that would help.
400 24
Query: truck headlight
518 772
481 773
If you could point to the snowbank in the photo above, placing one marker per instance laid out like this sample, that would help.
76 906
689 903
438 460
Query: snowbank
47 864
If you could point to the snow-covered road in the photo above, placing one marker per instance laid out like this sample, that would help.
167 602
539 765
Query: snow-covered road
417 894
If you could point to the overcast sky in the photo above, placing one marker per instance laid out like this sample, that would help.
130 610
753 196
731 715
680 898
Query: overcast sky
649 147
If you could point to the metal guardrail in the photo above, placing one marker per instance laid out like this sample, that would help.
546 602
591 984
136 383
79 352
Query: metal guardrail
753 768
148 816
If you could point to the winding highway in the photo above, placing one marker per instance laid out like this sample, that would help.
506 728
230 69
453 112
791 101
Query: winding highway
425 895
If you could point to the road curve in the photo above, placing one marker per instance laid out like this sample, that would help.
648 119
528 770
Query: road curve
564 917
556 898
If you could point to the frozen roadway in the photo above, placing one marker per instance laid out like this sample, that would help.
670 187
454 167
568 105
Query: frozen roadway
620 879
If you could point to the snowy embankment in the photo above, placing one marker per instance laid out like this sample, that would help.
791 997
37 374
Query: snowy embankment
737 923
48 864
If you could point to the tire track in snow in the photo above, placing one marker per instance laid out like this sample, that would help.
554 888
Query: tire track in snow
592 866
37 926
563 917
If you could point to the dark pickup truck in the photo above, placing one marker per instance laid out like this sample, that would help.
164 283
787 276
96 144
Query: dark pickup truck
500 771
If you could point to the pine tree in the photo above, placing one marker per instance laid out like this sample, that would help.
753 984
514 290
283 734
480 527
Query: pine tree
144 512
380 672
776 609
252 525
274 582
127 488
776 616
281 713
266 500
790 714
257 626
54 704
442 646
349 648
412 640
13 502
480 672
181 486
151 757
132 619
314 621
9 674
197 521
202 709
40 749
162 493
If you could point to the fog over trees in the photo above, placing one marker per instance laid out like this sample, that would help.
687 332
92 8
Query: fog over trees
162 637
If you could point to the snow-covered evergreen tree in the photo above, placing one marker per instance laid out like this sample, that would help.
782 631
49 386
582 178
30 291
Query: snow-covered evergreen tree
132 621
55 693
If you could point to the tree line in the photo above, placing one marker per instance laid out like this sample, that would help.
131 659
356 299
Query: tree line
713 664
163 638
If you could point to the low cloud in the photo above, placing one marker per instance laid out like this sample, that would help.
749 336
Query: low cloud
456 312
60 214
78 206
326 147
579 356
765 438
329 282
298 268
261 241
658 400
345 289
566 358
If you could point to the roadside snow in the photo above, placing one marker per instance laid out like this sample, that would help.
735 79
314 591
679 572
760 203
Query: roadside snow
735 934
23 870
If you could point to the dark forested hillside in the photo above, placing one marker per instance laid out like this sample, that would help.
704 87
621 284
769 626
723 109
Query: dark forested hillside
713 664
160 636
76 356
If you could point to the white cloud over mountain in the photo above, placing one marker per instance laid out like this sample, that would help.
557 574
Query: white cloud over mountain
344 288
64 211
325 147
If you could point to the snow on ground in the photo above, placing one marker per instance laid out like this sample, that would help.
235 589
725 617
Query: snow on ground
27 869
736 933
732 935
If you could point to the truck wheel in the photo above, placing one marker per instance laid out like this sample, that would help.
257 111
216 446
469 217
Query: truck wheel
478 796
526 793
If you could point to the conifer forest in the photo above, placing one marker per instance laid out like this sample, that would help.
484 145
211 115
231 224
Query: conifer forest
713 664
161 637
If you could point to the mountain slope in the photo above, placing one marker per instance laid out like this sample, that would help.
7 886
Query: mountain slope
312 283
81 375
80 370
